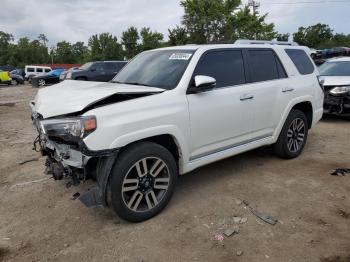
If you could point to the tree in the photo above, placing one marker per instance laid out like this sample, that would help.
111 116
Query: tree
205 20
282 37
178 36
130 40
246 25
80 52
43 39
64 53
313 36
149 39
5 41
105 47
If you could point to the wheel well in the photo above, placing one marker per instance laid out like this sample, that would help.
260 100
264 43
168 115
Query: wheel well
167 141
306 108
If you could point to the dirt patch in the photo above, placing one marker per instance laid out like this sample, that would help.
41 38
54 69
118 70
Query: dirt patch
40 222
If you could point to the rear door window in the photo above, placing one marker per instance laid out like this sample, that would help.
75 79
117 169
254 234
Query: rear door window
301 61
47 70
226 66
262 65
39 70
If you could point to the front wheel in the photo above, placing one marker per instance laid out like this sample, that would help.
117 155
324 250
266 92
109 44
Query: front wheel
142 181
14 82
292 138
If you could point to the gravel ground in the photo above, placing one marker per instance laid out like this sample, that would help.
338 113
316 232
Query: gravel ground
40 222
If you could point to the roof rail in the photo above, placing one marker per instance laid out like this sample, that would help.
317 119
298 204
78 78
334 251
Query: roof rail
273 42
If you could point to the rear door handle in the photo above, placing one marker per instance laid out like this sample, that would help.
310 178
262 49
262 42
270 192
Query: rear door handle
246 97
288 89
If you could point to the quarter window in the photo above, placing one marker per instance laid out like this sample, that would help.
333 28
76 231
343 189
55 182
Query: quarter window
39 70
262 65
301 61
225 66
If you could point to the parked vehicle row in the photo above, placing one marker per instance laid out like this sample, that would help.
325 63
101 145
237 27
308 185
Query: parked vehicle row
172 110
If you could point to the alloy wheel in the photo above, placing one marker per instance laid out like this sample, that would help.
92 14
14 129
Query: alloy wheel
145 184
296 135
41 82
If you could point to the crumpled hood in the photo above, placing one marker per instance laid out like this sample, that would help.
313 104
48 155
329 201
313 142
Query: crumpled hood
72 96
336 80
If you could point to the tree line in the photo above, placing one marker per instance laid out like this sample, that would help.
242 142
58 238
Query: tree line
204 21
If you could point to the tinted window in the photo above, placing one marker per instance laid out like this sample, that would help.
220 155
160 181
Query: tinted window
262 65
225 66
111 66
39 70
30 69
281 72
47 70
301 61
161 68
98 67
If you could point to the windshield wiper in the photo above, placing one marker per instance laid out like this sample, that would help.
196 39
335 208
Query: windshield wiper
132 83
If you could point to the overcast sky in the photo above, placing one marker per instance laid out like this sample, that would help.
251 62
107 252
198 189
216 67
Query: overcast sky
76 20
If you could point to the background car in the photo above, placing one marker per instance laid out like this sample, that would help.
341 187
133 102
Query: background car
336 76
65 72
31 71
19 71
50 78
16 79
101 71
5 77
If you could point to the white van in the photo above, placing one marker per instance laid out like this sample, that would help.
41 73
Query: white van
31 70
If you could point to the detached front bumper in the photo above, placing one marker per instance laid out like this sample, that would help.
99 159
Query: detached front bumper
337 105
75 162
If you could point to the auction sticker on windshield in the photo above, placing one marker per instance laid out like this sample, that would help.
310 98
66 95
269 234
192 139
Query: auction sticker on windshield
180 56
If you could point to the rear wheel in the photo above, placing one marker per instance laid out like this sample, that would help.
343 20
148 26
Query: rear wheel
41 82
142 181
14 82
292 138
81 78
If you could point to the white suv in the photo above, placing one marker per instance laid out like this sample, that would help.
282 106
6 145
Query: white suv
172 110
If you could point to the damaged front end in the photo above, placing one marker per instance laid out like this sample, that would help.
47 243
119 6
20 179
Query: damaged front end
61 141
337 100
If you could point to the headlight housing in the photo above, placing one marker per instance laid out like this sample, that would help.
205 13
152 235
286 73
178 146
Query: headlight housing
69 128
340 90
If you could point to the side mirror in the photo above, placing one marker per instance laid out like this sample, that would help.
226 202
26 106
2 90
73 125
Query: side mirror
203 83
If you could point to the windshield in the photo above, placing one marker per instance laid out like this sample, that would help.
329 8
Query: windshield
340 68
161 68
86 66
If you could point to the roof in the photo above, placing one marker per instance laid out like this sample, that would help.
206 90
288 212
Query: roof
339 59
243 45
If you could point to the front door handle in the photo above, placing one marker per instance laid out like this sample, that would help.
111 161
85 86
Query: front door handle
246 97
288 89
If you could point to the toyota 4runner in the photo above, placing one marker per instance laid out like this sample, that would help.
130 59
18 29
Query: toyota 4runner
172 110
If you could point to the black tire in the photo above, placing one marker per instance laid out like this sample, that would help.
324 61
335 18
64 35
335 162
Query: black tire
125 167
14 82
283 147
81 78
